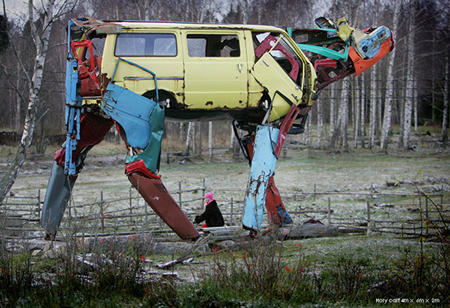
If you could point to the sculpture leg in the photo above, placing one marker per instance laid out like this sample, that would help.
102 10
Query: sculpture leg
60 185
274 205
142 128
261 170
156 195
58 193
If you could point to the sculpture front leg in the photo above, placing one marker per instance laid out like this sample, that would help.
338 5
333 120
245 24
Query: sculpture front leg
60 184
262 169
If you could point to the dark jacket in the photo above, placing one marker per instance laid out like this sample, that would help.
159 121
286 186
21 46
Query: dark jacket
211 215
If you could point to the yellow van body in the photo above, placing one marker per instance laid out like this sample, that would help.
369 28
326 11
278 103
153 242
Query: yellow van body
208 70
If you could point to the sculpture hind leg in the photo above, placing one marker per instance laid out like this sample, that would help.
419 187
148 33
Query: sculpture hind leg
60 185
142 129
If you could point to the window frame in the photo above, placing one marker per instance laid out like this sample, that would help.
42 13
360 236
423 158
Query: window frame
166 35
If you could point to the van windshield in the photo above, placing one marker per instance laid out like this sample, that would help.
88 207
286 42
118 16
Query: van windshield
282 51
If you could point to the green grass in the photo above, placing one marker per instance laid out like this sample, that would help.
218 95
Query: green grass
351 271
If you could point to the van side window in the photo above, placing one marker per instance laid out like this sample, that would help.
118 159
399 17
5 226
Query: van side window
213 45
146 45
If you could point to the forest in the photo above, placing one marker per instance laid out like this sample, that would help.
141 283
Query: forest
407 89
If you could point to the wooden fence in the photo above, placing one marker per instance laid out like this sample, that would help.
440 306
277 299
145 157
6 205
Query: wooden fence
411 214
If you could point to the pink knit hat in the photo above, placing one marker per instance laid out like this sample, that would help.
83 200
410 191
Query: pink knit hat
210 196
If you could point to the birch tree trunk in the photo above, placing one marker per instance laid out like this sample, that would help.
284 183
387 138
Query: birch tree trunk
389 96
182 130
194 139
319 123
232 136
200 138
409 84
188 139
41 41
18 103
416 117
333 116
306 134
343 112
379 86
373 107
357 111
244 9
210 140
363 112
444 134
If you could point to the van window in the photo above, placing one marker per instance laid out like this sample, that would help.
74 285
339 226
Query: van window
213 45
146 45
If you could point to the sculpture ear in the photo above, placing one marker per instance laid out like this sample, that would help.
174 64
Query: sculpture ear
324 23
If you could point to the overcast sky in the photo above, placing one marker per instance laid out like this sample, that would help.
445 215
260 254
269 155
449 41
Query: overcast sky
15 8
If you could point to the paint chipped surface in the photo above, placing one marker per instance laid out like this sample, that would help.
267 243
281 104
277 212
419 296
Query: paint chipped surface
263 167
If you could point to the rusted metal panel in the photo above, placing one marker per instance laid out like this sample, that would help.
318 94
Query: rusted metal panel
156 195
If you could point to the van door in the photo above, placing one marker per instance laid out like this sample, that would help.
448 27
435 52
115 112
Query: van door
280 70
215 70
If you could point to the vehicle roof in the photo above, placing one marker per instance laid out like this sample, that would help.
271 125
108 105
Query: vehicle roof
188 25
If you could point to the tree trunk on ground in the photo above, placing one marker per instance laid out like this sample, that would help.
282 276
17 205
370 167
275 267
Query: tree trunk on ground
41 42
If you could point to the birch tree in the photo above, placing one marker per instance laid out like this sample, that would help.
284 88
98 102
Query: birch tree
188 138
444 134
373 106
332 115
34 78
320 126
363 111
389 97
210 140
343 112
409 94
357 111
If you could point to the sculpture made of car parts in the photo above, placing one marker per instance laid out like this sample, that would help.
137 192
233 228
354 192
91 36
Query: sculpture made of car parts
263 78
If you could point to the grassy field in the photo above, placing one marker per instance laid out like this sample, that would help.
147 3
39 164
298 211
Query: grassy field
345 271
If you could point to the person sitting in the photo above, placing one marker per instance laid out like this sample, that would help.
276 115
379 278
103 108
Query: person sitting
212 215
